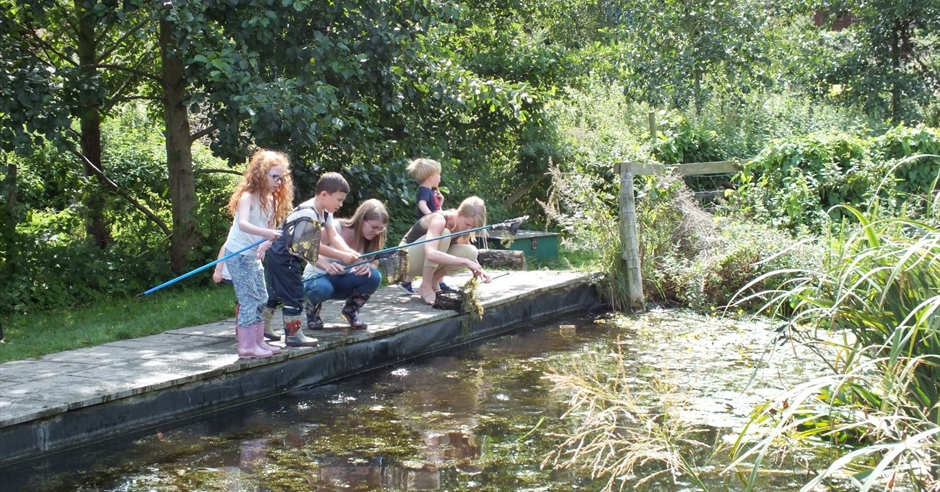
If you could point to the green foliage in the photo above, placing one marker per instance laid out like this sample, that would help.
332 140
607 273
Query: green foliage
680 140
62 268
879 57
674 52
795 183
740 125
694 259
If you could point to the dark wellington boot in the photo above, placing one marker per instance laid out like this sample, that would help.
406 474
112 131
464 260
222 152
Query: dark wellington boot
351 310
313 316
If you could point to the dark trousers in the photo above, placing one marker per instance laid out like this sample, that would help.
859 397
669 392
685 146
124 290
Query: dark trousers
283 272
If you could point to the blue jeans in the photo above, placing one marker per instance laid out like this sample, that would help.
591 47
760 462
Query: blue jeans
319 289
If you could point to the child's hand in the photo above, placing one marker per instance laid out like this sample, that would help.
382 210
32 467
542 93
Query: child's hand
477 271
262 248
440 199
271 234
217 275
334 268
350 257
363 269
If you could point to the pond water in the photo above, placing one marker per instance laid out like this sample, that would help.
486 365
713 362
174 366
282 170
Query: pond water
479 418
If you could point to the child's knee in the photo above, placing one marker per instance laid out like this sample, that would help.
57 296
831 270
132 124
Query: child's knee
373 282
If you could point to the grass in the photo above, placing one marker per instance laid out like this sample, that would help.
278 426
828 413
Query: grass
38 334
612 435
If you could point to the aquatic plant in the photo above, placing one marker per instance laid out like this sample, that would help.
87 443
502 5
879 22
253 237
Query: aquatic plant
614 436
873 313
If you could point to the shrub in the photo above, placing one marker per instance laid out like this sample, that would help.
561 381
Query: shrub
795 183
51 263
698 260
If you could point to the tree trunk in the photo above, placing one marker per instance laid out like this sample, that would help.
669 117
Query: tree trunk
9 219
178 151
95 199
895 49
503 259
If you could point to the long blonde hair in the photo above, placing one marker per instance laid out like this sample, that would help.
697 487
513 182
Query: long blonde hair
474 208
255 180
368 210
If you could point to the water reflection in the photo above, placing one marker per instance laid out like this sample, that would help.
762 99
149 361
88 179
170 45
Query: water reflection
481 418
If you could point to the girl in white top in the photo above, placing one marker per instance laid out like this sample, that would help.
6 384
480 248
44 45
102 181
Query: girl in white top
261 201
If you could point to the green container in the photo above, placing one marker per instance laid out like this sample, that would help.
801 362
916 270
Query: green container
535 244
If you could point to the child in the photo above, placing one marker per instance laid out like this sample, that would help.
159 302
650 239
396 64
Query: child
260 201
328 279
434 259
284 268
427 172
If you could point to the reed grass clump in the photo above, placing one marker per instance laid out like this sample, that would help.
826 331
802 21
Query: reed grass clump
875 304
613 435
688 256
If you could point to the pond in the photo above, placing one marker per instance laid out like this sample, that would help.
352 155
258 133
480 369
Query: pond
480 418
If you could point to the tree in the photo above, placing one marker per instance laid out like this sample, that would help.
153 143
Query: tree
69 60
359 87
882 59
674 51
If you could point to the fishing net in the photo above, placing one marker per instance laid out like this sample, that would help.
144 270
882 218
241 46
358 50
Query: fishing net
303 237
394 265
510 226
449 301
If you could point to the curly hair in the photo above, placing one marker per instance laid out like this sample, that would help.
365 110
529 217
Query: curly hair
370 210
255 180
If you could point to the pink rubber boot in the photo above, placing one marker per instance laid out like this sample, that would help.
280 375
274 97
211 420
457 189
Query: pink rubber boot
247 346
259 339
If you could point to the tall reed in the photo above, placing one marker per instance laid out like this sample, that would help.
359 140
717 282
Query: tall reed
879 292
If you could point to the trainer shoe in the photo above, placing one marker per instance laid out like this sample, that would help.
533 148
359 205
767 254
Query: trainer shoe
446 288
406 288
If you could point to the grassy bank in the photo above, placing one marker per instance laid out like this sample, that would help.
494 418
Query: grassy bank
37 334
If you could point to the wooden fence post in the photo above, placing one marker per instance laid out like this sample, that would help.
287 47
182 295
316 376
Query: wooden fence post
629 239
654 130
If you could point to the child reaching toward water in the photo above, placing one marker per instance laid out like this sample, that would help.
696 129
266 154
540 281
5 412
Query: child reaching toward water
436 258
329 279
285 285
261 200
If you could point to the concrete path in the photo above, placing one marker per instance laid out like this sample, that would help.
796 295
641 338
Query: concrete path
86 395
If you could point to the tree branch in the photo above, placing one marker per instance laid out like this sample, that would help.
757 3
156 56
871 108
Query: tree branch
201 133
133 98
139 73
120 191
212 171
106 52
45 47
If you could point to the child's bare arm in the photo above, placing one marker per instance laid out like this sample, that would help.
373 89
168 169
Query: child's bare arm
423 207
328 248
244 211
217 273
